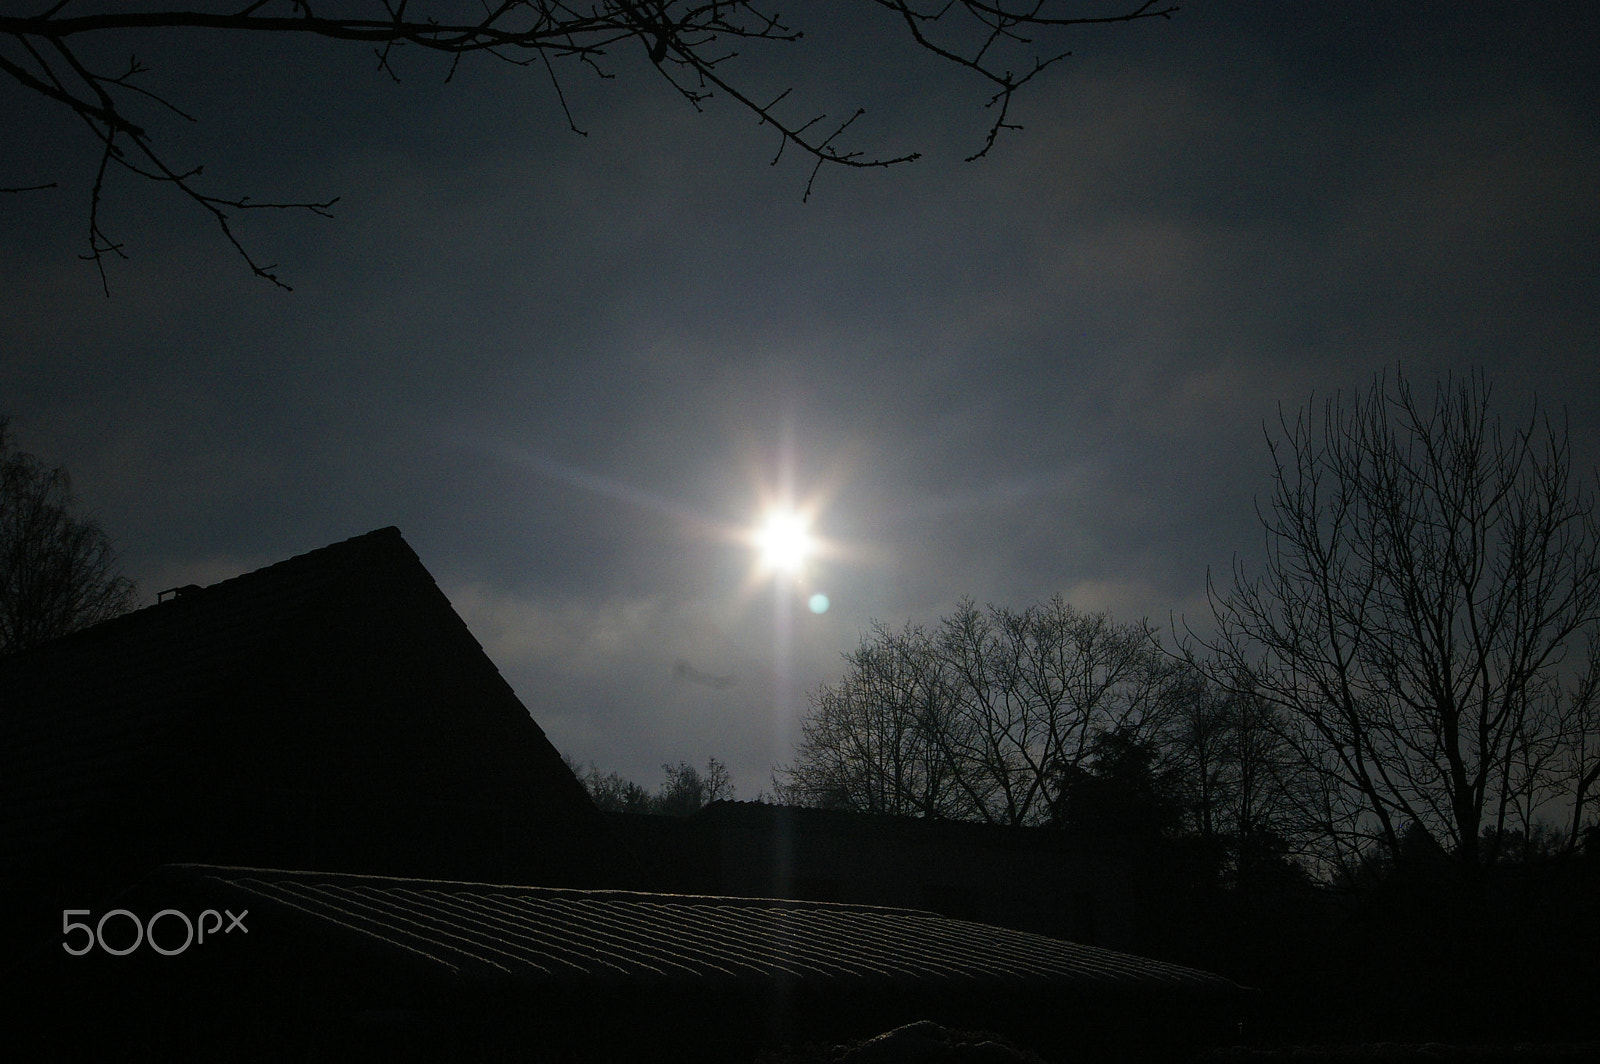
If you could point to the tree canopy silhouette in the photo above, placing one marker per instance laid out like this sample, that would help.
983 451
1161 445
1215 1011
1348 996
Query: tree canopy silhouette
684 790
982 717
58 571
1426 623
693 44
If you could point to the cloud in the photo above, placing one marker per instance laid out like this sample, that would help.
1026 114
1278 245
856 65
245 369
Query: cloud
604 679
1044 372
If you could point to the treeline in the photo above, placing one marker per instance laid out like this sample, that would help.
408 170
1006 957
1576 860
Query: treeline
1366 783
1415 668
1050 716
683 791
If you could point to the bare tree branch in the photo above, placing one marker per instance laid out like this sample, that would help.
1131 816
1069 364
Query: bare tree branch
980 718
688 41
1429 574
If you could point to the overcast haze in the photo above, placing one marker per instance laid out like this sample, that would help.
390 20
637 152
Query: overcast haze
570 367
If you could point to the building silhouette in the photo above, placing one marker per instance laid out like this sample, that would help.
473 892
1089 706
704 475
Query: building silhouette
300 815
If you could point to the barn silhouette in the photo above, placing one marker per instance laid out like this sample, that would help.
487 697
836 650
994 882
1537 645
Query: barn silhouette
322 751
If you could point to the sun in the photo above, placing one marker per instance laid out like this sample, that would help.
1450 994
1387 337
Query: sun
783 541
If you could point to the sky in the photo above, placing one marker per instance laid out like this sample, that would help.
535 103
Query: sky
574 369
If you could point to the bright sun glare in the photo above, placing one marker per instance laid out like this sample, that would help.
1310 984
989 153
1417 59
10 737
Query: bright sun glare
784 541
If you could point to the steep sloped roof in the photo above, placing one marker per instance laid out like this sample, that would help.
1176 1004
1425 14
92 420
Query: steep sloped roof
90 714
326 700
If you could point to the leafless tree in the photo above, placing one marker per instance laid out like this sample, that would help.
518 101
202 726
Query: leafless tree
1424 626
980 717
694 44
1034 688
879 740
1246 791
58 571
685 790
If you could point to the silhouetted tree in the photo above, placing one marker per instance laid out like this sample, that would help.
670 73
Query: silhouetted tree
685 790
56 53
1425 626
1121 797
610 791
879 741
979 718
1243 788
58 571
1542 842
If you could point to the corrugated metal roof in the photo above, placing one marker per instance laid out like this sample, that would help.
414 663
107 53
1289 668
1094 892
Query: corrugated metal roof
549 936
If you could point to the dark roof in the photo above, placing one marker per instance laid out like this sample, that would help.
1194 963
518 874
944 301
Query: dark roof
331 710
545 936
87 714
342 966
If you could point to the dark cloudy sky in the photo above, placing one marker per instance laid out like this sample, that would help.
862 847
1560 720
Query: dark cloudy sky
567 366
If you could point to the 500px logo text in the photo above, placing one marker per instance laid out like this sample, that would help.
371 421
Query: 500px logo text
144 932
